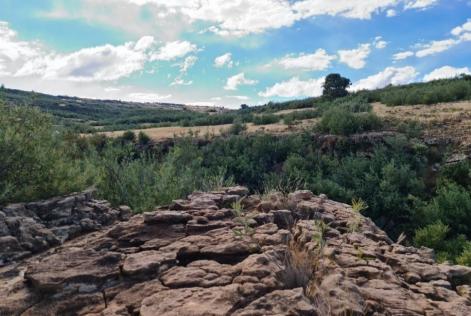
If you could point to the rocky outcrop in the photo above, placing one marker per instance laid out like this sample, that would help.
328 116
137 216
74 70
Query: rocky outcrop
29 228
276 255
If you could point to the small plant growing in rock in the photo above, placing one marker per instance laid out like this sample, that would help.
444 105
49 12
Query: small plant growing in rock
319 231
241 218
358 206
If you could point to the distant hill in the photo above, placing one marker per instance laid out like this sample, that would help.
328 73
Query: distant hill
109 114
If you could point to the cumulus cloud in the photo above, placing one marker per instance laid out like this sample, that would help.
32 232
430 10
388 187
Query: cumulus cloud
101 63
390 75
234 82
435 47
459 30
460 34
14 52
446 72
379 43
319 60
173 50
295 87
224 61
355 58
241 17
403 55
420 4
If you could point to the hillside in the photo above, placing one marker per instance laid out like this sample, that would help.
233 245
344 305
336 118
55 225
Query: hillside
295 254
91 114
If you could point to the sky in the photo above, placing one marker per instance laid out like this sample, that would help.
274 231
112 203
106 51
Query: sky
227 52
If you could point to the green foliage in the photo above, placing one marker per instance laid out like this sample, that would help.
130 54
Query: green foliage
143 138
335 86
37 160
340 121
445 90
358 205
432 236
143 182
265 119
237 128
129 136
465 256
452 206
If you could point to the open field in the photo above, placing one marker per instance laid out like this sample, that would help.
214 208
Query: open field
163 133
443 121
449 121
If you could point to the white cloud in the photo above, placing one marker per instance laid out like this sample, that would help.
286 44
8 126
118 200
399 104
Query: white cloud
242 17
173 50
461 34
14 52
379 43
181 82
235 81
390 75
435 47
295 87
459 30
420 4
239 97
390 13
147 97
403 55
101 63
355 58
319 60
446 72
224 60
189 62
357 9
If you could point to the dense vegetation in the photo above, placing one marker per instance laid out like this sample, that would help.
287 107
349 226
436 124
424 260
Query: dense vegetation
396 176
445 90
392 175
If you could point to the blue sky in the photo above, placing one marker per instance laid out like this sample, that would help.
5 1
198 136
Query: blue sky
227 52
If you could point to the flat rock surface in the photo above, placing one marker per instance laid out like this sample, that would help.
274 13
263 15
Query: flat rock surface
285 255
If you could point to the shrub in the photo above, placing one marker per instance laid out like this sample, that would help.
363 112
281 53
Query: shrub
237 128
266 119
128 137
432 236
343 122
452 206
143 138
37 161
465 257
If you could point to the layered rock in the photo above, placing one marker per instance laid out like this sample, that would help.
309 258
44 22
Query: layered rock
281 255
30 228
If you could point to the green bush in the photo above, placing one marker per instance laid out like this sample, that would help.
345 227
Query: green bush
445 90
432 236
340 121
237 128
142 182
265 119
465 256
36 160
452 206
143 138
128 137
